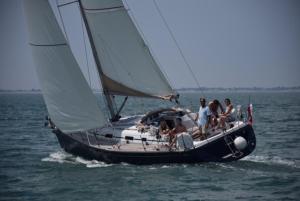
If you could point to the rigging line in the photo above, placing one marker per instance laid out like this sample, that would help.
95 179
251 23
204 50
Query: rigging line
106 110
85 49
62 21
177 44
148 44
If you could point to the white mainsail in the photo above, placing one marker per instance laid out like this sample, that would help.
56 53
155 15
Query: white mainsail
127 66
70 102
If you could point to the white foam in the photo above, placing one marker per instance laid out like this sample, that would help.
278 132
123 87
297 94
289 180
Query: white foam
125 164
63 157
92 163
60 157
271 160
152 168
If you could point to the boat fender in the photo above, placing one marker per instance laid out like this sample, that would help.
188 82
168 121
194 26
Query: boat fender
240 143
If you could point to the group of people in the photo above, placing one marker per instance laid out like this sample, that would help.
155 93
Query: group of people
211 115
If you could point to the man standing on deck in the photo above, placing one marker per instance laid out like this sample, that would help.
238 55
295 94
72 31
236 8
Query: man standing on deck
203 117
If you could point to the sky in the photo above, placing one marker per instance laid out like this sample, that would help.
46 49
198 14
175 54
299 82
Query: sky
232 43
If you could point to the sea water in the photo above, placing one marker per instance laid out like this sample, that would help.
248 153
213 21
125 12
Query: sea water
34 167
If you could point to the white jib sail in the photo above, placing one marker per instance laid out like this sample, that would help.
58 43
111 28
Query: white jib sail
125 58
70 102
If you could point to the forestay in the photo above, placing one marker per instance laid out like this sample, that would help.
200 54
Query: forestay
70 102
127 66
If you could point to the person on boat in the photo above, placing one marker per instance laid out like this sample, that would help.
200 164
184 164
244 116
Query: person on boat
216 109
179 128
163 127
203 118
227 116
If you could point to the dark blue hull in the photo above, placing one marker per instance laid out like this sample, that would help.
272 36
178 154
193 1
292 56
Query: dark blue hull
218 150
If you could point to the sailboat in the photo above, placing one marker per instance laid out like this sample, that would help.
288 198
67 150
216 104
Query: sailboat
126 68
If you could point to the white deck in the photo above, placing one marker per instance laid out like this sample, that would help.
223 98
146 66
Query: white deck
128 135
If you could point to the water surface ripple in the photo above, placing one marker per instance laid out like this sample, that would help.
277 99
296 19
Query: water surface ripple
33 167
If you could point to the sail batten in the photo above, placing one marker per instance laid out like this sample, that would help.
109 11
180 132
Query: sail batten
70 102
126 64
115 8
48 45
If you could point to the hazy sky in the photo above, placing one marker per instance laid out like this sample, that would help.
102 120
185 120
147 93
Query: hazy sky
228 43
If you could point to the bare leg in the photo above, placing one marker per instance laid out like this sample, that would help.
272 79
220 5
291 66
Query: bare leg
222 121
173 142
196 134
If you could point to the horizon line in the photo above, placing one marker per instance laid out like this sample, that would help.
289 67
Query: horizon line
193 88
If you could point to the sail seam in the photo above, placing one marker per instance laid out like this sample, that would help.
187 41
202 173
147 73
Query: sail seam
48 45
65 4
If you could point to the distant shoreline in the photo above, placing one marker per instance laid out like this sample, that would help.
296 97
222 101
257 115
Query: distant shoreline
239 89
187 90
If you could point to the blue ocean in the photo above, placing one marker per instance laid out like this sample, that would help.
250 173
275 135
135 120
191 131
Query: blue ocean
34 167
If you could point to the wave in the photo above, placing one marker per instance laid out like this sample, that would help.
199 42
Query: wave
63 157
272 161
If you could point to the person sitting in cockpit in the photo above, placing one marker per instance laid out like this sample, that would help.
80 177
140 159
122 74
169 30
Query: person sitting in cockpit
179 128
163 127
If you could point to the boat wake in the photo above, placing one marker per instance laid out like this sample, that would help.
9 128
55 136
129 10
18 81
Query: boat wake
63 157
272 161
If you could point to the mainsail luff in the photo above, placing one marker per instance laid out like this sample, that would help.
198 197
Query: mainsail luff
108 97
69 100
128 72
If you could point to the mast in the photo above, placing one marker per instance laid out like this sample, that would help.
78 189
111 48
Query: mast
109 98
